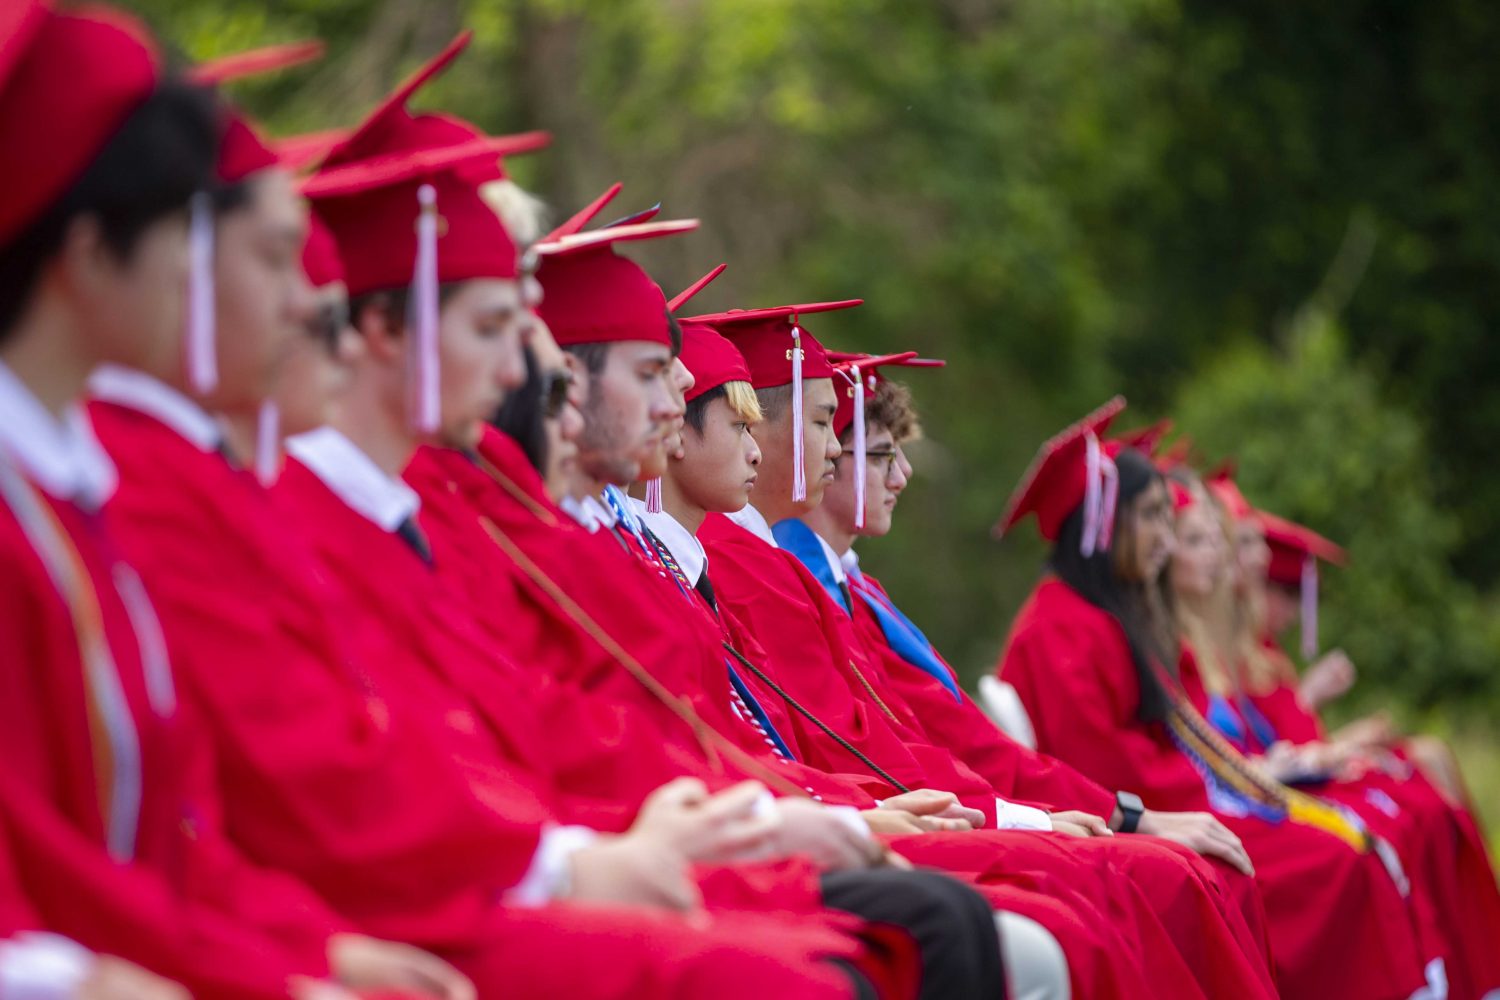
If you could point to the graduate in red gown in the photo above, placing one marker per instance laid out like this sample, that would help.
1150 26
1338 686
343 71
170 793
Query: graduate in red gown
1215 586
100 802
1086 655
915 676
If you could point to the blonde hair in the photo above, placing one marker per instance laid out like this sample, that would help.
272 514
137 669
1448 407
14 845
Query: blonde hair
743 402
523 213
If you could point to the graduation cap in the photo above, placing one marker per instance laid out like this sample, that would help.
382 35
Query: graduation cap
401 194
1146 440
68 81
780 351
594 295
1295 553
1071 470
320 254
1222 487
858 375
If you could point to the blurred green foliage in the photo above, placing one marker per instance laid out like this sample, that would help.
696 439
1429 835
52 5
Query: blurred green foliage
1065 198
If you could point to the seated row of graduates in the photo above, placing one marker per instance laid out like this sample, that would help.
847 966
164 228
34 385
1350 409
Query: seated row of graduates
423 707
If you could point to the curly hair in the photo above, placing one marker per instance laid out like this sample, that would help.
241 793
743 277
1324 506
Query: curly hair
892 409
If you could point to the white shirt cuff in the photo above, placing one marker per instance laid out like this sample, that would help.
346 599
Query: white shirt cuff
1010 816
40 966
550 874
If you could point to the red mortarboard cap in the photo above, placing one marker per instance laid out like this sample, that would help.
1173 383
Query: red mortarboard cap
1057 481
320 254
1295 552
300 152
1182 497
243 150
593 295
1145 440
764 337
1221 484
67 84
1179 454
1292 545
712 359
869 376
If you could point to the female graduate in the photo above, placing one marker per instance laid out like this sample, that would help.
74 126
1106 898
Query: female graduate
1453 887
1095 659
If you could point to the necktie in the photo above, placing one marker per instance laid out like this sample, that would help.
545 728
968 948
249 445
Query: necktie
410 532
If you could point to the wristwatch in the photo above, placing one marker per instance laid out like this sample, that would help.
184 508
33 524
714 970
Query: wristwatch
1131 808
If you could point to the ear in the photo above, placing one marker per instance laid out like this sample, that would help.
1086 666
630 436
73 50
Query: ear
382 338
83 259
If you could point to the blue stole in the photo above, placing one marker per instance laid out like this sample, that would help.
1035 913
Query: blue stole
901 633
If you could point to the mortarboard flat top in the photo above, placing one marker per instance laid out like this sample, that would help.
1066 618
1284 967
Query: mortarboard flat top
592 295
243 150
1054 485
68 81
255 62
1146 440
869 378
763 336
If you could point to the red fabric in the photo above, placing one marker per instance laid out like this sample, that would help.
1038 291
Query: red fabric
1056 481
596 296
764 338
1338 926
712 359
1179 905
1013 870
1291 544
186 907
869 378
324 774
71 83
320 254
242 151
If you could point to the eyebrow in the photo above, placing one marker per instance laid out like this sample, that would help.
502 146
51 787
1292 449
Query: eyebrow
829 409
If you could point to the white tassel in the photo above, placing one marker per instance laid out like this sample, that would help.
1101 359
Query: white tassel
653 495
799 447
1310 608
859 448
426 404
267 442
202 356
1101 494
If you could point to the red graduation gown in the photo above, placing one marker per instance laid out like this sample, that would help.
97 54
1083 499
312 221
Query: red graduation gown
1453 885
329 775
183 904
1216 917
1338 926
807 634
1016 871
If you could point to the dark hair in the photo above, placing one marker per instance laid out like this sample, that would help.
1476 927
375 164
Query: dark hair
393 302
163 153
697 408
595 355
520 416
1133 605
592 356
774 401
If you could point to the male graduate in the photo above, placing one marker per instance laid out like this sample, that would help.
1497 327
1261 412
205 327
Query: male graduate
100 802
862 502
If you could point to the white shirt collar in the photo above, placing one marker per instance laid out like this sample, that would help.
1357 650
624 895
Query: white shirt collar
578 511
850 561
834 562
682 543
754 522
62 457
153 397
354 477
599 512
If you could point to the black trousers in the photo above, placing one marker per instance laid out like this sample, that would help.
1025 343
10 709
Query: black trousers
953 926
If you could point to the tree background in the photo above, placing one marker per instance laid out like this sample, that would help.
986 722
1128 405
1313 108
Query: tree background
1276 222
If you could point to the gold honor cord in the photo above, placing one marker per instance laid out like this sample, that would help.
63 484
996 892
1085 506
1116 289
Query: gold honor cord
711 740
112 734
1251 781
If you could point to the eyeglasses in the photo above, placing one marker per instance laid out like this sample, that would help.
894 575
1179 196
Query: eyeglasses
556 386
328 324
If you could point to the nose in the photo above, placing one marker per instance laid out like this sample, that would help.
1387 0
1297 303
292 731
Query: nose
510 363
752 453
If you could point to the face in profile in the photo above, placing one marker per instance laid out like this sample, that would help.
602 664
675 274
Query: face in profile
717 470
263 300
1201 554
630 411
483 330
1149 536
320 366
